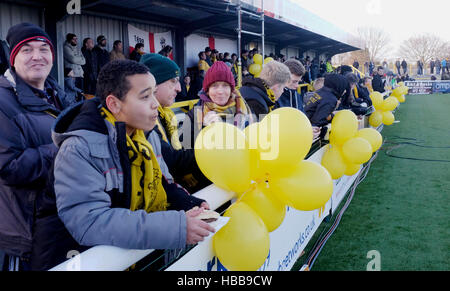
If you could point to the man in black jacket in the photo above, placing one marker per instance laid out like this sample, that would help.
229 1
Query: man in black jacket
319 108
101 52
404 66
377 82
29 102
90 68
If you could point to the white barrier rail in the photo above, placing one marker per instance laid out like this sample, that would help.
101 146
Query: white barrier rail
109 258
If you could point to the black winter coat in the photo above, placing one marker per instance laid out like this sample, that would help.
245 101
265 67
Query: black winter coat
255 95
378 84
102 57
26 156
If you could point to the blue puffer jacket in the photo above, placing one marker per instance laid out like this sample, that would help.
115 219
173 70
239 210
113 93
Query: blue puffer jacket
26 155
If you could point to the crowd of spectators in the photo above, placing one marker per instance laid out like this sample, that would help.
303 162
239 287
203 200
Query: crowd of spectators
117 169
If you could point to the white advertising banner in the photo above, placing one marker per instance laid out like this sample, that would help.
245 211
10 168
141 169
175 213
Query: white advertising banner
153 42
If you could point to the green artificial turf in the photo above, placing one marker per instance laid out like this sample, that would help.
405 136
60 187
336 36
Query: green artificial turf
401 209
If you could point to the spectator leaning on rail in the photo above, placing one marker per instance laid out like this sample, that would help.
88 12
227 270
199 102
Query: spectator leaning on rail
219 101
110 188
29 101
290 96
319 109
74 59
262 93
180 160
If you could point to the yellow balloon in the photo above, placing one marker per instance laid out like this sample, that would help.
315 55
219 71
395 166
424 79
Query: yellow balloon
390 103
332 139
268 60
404 90
352 169
243 243
222 155
334 162
258 59
377 99
357 151
307 188
401 99
255 69
266 205
344 126
252 136
376 119
397 92
372 136
388 118
285 139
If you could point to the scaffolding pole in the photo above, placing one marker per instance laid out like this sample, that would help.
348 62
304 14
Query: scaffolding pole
240 31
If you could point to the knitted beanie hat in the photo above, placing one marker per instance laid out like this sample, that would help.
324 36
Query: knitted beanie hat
161 67
20 34
219 72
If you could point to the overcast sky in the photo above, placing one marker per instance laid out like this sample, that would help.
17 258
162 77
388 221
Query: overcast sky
401 19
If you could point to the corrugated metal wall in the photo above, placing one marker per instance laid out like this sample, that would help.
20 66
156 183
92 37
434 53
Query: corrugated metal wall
12 14
90 26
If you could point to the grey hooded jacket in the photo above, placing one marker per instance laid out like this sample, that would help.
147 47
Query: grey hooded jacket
74 59
89 180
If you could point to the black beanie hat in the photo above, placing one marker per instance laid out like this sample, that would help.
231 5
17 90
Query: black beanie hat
20 34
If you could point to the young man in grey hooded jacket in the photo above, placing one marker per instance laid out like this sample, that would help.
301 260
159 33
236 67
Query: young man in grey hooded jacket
93 182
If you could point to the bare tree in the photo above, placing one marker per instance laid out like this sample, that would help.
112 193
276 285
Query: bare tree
375 40
424 47
375 43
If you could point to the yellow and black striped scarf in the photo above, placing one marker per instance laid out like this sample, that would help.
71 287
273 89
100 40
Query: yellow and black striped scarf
270 95
236 107
147 191
168 126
